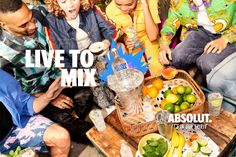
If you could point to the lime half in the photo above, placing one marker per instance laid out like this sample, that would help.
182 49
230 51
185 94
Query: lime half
216 103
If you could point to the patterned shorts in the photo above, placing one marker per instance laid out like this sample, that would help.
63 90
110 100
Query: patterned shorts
29 136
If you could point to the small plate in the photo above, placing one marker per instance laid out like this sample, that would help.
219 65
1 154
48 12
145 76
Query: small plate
97 48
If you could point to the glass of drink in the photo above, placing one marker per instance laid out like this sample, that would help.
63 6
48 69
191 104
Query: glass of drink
97 119
214 103
164 128
132 34
147 111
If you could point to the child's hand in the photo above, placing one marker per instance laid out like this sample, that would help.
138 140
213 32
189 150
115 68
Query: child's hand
165 55
107 44
128 42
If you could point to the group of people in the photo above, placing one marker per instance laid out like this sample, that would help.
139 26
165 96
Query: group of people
208 40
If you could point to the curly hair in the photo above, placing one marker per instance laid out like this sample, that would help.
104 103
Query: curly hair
55 9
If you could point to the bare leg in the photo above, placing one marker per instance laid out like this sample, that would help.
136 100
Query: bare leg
58 139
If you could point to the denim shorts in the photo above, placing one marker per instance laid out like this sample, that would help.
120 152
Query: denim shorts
29 136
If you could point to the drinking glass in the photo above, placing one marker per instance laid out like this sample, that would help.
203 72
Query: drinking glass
214 103
97 119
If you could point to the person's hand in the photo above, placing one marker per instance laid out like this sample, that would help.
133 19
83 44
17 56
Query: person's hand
55 89
216 46
128 42
165 55
107 44
62 102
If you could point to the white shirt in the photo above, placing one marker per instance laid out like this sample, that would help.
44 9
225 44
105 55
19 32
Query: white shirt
83 41
203 19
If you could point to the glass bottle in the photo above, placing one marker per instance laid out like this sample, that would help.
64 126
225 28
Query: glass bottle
118 63
125 150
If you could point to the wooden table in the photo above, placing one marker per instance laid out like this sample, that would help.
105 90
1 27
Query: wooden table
221 131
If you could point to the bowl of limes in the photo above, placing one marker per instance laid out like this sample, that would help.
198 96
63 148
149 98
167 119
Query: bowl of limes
153 145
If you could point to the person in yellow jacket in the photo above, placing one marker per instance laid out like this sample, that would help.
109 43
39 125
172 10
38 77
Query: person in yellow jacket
142 15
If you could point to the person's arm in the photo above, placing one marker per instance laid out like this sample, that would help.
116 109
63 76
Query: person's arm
168 31
151 19
107 27
44 99
169 28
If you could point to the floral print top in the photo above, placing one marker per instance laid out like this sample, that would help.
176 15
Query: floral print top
222 14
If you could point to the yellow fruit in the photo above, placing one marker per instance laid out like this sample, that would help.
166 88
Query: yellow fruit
174 90
181 143
158 83
172 98
163 102
153 92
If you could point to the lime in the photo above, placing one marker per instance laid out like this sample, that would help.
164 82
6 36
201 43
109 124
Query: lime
169 107
188 90
185 98
180 100
180 89
216 102
185 105
177 109
172 98
167 92
190 98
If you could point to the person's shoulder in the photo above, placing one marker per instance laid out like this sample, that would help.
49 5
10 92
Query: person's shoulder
54 20
51 18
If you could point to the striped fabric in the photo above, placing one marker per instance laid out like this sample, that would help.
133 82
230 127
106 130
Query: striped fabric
33 80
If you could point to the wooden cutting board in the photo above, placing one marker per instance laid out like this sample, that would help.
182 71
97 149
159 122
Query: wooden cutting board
107 141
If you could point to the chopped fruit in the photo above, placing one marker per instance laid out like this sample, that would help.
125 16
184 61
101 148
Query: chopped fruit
195 147
206 150
193 137
202 142
189 143
169 73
